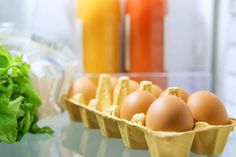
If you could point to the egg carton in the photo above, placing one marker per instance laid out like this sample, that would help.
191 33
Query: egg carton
92 114
73 107
87 114
103 112
211 139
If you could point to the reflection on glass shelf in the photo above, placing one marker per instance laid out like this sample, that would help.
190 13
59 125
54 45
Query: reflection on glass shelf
73 140
29 146
90 143
80 140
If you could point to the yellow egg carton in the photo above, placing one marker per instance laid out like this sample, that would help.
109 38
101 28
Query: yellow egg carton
103 112
211 139
73 106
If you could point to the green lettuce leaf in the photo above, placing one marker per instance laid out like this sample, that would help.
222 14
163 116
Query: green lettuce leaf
19 102
8 122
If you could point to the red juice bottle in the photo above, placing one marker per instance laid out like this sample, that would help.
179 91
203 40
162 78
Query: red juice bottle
146 49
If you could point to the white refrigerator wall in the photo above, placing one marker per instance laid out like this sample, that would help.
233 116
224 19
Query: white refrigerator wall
188 40
49 18
188 35
11 10
226 53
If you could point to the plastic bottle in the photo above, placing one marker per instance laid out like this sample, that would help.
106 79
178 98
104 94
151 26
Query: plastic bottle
146 50
101 24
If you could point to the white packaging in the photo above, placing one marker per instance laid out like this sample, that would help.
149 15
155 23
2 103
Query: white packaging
53 65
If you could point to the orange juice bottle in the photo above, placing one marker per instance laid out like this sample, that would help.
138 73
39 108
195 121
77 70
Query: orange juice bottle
101 34
146 35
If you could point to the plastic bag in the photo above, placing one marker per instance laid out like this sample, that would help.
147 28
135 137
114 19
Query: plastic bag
53 65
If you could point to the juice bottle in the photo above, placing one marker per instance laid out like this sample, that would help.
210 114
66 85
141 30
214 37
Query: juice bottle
146 49
101 34
146 35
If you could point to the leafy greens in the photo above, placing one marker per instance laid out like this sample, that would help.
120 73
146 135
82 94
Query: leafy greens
18 100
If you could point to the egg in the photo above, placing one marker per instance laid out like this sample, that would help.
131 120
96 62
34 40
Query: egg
169 113
207 107
156 91
177 91
134 103
84 86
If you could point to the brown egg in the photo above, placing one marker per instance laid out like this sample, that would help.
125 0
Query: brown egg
156 91
177 91
169 113
207 107
136 102
84 86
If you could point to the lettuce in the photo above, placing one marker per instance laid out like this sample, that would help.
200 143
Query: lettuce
18 100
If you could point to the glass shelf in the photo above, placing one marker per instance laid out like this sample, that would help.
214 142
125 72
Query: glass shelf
73 140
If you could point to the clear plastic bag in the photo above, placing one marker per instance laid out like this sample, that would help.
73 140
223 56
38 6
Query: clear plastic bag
53 64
